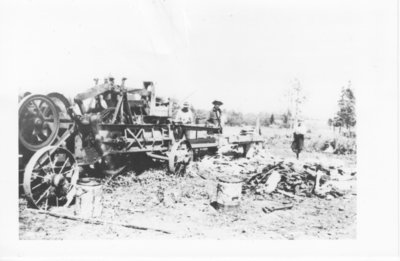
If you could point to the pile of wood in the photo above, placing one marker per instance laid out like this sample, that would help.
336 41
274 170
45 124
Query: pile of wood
262 173
301 181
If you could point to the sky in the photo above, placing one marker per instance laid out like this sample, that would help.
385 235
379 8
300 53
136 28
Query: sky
244 53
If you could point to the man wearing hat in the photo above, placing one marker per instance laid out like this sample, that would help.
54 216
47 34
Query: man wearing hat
184 115
215 114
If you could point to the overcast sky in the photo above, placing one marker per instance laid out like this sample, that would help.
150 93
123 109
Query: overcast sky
245 53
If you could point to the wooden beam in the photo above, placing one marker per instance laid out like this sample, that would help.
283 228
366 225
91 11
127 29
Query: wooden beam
95 221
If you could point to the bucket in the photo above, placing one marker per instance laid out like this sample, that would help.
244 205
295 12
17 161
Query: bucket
88 198
229 191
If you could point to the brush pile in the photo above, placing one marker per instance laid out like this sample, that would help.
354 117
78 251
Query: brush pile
263 174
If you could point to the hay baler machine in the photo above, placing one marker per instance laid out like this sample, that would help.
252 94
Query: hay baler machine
58 140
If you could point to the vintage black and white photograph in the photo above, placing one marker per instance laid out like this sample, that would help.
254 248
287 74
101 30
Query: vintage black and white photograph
205 120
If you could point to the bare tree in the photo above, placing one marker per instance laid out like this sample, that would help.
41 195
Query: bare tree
296 97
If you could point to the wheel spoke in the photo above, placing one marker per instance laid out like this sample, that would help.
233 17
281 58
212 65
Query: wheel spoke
51 162
38 109
51 126
27 128
68 171
35 187
47 201
65 163
55 162
180 170
41 102
42 135
41 163
41 197
38 122
36 175
180 156
49 119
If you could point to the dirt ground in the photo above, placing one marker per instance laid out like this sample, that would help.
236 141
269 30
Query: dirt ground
184 208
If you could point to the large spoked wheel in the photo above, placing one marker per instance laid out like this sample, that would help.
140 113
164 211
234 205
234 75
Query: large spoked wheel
66 123
179 157
62 104
38 122
50 178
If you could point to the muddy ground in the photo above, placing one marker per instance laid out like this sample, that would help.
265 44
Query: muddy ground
183 207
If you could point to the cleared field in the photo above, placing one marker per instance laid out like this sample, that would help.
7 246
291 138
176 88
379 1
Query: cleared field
182 206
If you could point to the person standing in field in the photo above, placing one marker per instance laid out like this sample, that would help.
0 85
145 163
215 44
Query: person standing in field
215 114
184 115
215 120
298 138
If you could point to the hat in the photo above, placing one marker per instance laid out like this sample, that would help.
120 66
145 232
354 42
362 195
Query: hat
186 104
217 102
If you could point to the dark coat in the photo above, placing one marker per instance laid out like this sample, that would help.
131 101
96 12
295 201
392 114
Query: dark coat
215 116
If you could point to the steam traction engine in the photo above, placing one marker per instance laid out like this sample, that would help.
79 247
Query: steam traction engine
57 138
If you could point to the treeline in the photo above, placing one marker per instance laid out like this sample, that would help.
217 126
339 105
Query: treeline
236 118
346 115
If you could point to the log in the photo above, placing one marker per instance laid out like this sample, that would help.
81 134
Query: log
288 194
267 209
95 221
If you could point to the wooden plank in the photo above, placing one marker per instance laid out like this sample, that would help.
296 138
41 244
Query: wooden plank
96 221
